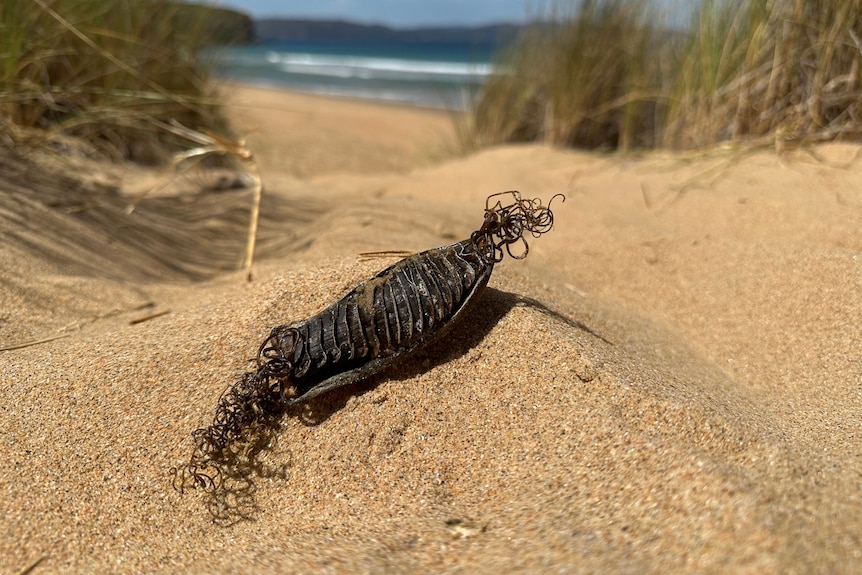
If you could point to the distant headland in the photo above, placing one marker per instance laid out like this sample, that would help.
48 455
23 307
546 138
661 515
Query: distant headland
282 29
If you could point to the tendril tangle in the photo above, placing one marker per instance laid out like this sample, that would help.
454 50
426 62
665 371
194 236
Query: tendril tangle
506 225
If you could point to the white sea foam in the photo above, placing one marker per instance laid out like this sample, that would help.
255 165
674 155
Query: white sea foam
428 77
369 68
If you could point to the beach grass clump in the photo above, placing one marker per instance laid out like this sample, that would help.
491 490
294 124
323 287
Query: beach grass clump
104 71
620 74
584 79
787 70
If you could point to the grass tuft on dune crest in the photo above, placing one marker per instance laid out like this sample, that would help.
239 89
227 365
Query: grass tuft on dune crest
614 74
105 72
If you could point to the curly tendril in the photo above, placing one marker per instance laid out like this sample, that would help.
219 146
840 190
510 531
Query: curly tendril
506 225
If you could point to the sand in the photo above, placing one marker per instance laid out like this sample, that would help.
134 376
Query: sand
671 381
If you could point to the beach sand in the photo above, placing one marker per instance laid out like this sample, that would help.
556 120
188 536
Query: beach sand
671 381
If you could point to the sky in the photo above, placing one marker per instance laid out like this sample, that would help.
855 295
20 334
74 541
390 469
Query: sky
398 13
413 13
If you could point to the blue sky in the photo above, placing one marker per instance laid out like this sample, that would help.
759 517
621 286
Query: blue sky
408 13
395 12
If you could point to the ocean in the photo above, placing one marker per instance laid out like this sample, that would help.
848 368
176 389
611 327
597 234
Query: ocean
445 75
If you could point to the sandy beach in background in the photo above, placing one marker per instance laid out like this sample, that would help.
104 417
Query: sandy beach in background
671 381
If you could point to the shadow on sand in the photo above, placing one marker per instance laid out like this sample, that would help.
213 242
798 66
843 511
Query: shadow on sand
234 501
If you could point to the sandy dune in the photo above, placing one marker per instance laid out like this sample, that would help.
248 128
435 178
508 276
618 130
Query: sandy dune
671 381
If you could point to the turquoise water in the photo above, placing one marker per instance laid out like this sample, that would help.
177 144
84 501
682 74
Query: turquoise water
437 75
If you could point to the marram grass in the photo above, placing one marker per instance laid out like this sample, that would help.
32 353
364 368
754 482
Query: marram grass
615 74
107 72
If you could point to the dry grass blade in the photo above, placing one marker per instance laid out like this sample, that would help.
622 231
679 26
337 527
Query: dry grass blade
29 568
212 144
33 342
385 254
138 320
